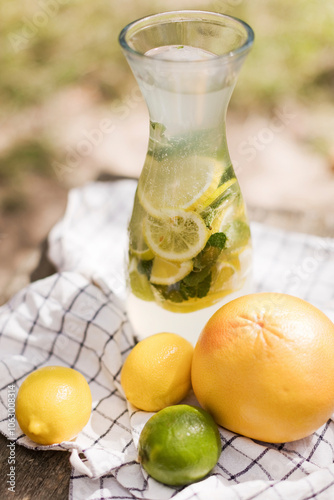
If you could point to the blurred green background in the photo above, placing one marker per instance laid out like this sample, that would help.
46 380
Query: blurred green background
62 72
48 46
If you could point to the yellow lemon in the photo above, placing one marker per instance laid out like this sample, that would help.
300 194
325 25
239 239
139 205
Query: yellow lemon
53 404
165 272
178 236
216 195
168 184
157 371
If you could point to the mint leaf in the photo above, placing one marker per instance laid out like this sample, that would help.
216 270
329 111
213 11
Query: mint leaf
210 253
159 127
172 292
199 290
210 212
227 175
145 267
197 283
217 240
186 289
196 277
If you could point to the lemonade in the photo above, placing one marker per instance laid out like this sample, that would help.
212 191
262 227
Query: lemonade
189 238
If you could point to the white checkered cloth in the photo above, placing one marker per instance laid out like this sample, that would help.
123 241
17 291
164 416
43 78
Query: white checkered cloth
76 318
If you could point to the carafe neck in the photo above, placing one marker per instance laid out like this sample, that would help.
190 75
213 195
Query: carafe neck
189 97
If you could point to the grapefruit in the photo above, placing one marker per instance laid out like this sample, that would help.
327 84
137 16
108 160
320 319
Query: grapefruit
263 367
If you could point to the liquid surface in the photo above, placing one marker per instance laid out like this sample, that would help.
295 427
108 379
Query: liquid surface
180 53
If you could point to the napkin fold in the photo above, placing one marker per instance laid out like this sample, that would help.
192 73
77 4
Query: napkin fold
77 318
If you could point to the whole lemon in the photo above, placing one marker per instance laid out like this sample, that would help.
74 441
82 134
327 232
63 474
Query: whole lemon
157 372
263 367
53 404
179 445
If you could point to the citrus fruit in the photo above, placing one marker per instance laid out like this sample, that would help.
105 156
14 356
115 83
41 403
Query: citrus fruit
165 272
157 371
177 183
53 404
223 276
137 244
140 286
196 304
218 193
179 445
238 235
178 236
229 210
138 282
263 367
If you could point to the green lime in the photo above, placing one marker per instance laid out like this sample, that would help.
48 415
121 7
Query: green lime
138 247
139 283
179 445
237 234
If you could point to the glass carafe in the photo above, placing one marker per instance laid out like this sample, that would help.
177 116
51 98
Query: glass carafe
189 237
